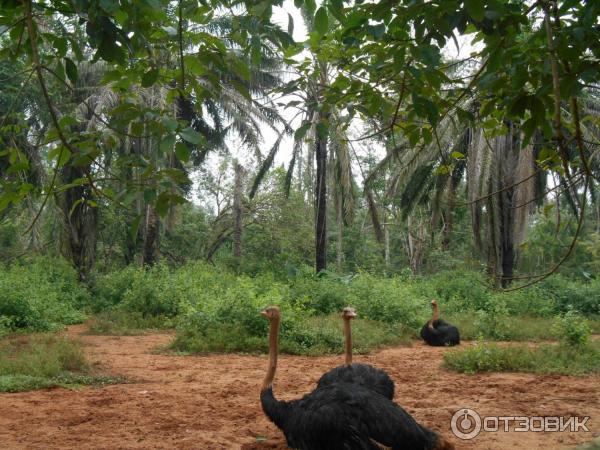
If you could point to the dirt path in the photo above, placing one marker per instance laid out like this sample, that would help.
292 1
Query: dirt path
211 402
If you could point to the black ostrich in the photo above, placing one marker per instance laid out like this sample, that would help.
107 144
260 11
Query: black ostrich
341 416
357 373
437 332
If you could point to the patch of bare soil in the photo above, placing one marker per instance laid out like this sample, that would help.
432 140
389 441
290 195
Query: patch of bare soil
212 402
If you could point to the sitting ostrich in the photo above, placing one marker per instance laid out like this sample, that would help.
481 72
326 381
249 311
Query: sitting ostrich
357 373
341 416
437 332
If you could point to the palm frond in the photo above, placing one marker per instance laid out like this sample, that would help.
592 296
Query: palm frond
265 166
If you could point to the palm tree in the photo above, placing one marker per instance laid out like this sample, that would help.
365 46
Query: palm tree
327 143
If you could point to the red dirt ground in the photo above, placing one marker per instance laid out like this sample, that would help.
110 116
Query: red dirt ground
211 402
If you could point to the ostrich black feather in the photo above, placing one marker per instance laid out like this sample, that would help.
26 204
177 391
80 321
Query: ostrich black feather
440 334
364 375
345 416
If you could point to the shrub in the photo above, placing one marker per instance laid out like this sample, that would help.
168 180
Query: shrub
459 290
572 329
109 289
545 359
43 295
583 297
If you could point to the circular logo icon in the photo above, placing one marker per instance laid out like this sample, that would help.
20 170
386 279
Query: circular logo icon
465 424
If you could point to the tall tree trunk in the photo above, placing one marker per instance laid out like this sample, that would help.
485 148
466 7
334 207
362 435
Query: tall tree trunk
448 213
340 231
321 203
238 212
80 222
386 248
416 239
150 236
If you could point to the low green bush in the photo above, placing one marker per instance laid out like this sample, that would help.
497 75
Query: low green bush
545 359
41 295
207 304
567 294
475 325
300 334
572 329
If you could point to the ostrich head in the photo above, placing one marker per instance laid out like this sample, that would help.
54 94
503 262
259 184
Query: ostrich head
271 312
434 303
348 313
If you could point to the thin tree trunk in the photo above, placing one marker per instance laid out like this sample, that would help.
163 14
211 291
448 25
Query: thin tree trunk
415 245
150 237
238 212
340 232
598 215
386 248
321 203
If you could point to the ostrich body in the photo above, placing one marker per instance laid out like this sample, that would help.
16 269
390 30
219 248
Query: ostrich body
438 333
356 373
341 416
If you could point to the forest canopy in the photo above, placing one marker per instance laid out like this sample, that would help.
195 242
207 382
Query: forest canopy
139 131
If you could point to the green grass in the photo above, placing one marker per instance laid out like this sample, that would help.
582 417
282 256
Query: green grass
41 361
128 323
474 325
317 335
593 445
543 359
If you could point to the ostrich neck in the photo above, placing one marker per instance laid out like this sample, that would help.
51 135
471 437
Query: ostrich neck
273 347
348 341
436 315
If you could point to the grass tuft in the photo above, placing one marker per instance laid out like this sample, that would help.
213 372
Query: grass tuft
557 359
128 323
42 361
476 325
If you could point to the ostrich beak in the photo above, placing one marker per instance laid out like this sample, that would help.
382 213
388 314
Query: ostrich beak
265 313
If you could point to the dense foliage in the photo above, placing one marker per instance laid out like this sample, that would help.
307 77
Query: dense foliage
182 164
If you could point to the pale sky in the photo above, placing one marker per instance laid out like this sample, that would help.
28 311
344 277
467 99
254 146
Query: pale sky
280 17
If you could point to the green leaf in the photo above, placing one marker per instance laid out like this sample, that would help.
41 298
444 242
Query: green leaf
61 154
166 145
321 21
322 130
149 195
182 151
149 78
60 44
77 202
169 124
110 6
135 225
190 135
301 132
290 27
457 155
336 7
476 9
71 69
528 128
162 204
426 108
